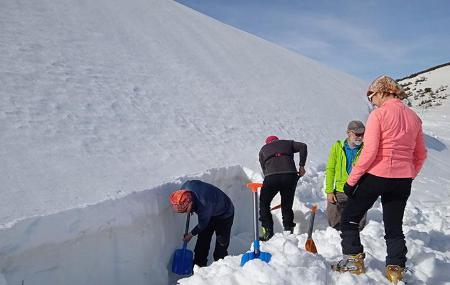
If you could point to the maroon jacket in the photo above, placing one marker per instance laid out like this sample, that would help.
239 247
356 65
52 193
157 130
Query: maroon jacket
277 157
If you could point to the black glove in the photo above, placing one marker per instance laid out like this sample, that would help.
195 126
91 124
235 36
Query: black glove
350 190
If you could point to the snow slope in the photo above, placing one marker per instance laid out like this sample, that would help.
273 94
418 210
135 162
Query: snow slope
429 87
102 98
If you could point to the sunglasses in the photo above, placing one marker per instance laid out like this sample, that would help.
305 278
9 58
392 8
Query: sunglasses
358 135
370 95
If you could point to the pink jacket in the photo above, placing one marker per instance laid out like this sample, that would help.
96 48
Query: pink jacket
394 146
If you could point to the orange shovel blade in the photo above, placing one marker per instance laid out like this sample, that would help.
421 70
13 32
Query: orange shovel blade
310 246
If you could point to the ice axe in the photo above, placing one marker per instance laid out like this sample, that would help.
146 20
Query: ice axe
256 253
310 246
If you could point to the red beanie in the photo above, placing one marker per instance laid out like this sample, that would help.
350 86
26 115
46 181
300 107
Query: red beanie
270 139
180 200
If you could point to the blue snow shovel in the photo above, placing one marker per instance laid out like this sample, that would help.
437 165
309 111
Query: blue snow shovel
256 253
183 258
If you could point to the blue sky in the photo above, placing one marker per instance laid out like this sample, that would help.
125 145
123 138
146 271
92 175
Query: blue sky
365 38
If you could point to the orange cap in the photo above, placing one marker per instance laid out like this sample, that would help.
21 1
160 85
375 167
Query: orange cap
180 200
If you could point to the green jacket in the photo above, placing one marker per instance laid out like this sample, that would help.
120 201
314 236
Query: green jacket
336 170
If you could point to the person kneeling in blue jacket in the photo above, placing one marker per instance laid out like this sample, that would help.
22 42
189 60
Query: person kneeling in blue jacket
215 214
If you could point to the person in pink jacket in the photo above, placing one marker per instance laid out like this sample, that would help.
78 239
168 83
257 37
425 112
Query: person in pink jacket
393 154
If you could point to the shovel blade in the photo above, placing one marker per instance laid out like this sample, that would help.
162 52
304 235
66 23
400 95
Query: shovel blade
263 256
310 246
182 263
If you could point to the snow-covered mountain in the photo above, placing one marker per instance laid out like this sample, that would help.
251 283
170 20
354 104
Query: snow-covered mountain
107 106
428 87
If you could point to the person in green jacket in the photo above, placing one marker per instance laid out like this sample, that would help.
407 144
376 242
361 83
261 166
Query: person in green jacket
343 156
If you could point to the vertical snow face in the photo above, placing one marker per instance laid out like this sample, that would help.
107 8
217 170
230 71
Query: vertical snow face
123 241
102 98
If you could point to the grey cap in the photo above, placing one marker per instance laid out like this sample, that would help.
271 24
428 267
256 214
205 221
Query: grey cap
356 127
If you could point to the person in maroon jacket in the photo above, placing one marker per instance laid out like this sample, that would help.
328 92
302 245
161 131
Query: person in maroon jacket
280 175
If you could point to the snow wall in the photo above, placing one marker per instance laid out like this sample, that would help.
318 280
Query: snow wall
124 241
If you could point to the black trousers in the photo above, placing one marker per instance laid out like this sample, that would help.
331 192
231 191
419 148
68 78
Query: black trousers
394 193
222 227
285 184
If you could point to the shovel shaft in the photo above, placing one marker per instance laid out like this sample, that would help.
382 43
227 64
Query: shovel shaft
257 253
275 207
186 230
255 222
311 224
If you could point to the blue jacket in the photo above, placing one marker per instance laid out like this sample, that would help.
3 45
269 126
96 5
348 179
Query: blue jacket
209 201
